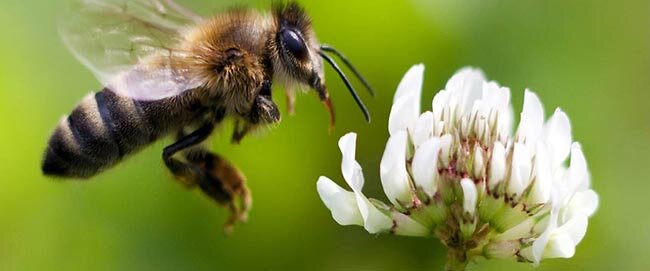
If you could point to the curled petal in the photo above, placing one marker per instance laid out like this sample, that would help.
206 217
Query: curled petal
374 220
394 176
349 167
340 202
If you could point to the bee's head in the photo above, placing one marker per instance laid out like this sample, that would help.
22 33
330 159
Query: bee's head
298 57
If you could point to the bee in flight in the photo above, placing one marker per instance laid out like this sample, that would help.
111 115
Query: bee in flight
168 71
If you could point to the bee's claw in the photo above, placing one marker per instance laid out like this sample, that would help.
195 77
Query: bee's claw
238 213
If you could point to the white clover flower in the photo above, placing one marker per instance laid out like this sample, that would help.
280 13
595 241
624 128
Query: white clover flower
457 173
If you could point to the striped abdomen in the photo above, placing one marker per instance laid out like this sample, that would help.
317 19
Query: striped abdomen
105 127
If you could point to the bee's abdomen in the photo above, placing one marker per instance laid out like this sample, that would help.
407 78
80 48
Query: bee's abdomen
98 133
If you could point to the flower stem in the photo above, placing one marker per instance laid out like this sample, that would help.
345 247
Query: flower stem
456 260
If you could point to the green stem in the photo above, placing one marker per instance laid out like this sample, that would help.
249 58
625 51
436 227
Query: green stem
456 260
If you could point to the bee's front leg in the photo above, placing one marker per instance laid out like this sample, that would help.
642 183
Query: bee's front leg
264 111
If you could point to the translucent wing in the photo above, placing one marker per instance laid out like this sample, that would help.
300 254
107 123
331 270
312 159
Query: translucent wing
131 46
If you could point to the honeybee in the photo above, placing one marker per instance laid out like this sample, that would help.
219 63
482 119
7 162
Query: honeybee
168 71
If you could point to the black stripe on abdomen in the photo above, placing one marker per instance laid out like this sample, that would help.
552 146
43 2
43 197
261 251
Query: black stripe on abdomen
123 117
99 132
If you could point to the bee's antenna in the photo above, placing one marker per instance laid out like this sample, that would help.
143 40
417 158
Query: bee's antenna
363 108
328 48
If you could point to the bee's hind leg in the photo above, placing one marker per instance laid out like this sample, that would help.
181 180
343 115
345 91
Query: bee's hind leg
216 177
224 183
187 174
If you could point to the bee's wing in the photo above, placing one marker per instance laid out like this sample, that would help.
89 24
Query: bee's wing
116 39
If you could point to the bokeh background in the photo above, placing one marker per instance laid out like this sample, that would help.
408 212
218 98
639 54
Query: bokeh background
590 58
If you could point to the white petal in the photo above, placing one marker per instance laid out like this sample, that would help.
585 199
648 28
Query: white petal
479 162
466 86
423 128
439 103
465 78
497 164
559 246
557 136
496 100
406 104
445 149
539 245
533 107
340 202
505 122
374 221
521 166
583 203
425 166
469 195
532 119
411 82
482 129
575 229
541 190
479 107
578 172
504 119
403 115
438 128
394 177
465 126
349 167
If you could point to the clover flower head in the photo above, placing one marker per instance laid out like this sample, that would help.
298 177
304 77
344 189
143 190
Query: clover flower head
459 174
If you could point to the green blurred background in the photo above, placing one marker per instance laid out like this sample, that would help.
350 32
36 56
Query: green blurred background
589 57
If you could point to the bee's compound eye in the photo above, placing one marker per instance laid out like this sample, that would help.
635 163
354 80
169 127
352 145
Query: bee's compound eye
294 43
